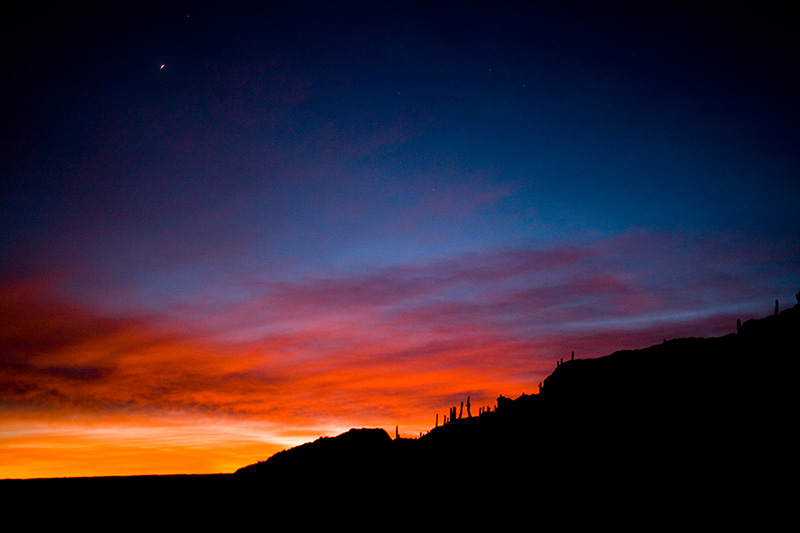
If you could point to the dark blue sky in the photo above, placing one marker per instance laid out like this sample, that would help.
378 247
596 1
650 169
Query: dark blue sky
360 184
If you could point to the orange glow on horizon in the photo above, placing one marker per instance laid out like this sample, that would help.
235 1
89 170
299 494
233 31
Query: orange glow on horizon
88 395
88 448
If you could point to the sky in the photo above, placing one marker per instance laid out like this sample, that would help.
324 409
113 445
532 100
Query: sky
228 229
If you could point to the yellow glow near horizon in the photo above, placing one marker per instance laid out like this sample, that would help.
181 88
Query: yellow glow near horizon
110 448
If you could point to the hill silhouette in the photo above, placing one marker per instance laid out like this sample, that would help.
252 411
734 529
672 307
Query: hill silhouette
702 420
688 425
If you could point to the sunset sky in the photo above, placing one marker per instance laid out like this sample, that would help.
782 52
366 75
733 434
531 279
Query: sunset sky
231 229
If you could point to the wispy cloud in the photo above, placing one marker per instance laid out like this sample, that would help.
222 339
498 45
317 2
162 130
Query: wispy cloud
388 346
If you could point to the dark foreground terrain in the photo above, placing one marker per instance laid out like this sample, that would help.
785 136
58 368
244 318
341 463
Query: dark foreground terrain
631 438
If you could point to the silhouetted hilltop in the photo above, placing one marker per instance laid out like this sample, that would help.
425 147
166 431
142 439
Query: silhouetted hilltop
694 413
344 455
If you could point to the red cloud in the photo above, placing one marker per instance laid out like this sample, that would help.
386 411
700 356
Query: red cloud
389 346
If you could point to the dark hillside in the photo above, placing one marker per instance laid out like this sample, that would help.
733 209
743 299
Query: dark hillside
692 415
